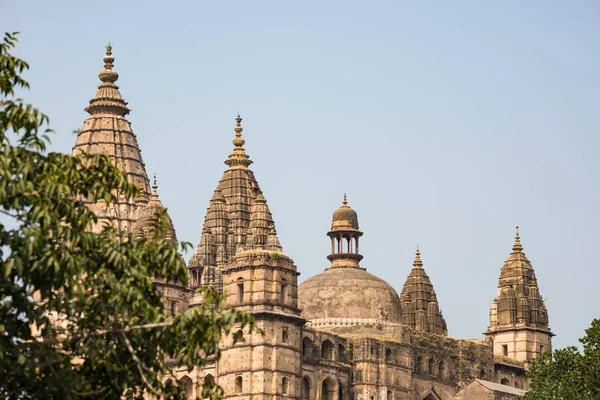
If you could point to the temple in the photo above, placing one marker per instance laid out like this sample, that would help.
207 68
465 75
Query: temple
342 334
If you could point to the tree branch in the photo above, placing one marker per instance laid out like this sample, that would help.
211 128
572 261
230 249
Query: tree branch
140 366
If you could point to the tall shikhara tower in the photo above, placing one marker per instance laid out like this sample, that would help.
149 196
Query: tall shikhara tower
239 253
107 131
237 218
518 316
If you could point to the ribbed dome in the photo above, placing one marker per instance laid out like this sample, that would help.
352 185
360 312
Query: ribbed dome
344 217
348 296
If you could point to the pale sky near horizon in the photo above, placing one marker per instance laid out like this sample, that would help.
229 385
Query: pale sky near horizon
447 123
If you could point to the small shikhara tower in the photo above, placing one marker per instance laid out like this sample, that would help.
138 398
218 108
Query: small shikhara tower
518 316
420 308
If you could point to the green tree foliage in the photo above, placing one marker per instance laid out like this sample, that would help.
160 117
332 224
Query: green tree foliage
568 374
79 313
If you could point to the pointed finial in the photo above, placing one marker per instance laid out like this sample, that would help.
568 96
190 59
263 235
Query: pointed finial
417 263
154 188
517 247
345 201
108 75
239 156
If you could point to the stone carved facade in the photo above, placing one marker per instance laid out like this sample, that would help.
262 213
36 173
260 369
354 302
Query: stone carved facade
342 334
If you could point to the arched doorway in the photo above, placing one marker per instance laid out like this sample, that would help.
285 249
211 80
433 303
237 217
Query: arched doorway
327 350
307 347
305 388
431 395
327 389
186 384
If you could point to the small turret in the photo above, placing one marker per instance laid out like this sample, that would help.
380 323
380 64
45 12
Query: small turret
148 211
345 235
408 312
261 222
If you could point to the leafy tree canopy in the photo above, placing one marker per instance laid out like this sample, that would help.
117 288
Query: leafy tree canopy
568 374
79 313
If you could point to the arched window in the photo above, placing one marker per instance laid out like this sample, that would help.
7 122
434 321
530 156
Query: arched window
169 382
239 336
358 376
504 381
238 384
240 290
305 388
388 355
482 374
441 369
420 367
431 366
285 335
284 292
186 384
307 347
341 352
327 350
284 385
389 395
209 382
374 351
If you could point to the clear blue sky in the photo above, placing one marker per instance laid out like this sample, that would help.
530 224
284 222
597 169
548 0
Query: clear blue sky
447 123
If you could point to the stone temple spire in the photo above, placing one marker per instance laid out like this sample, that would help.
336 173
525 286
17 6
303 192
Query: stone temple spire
107 131
345 236
420 309
518 315
237 219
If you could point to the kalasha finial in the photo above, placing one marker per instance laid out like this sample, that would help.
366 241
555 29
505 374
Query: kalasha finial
345 201
239 156
517 247
154 187
417 263
108 75
238 141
